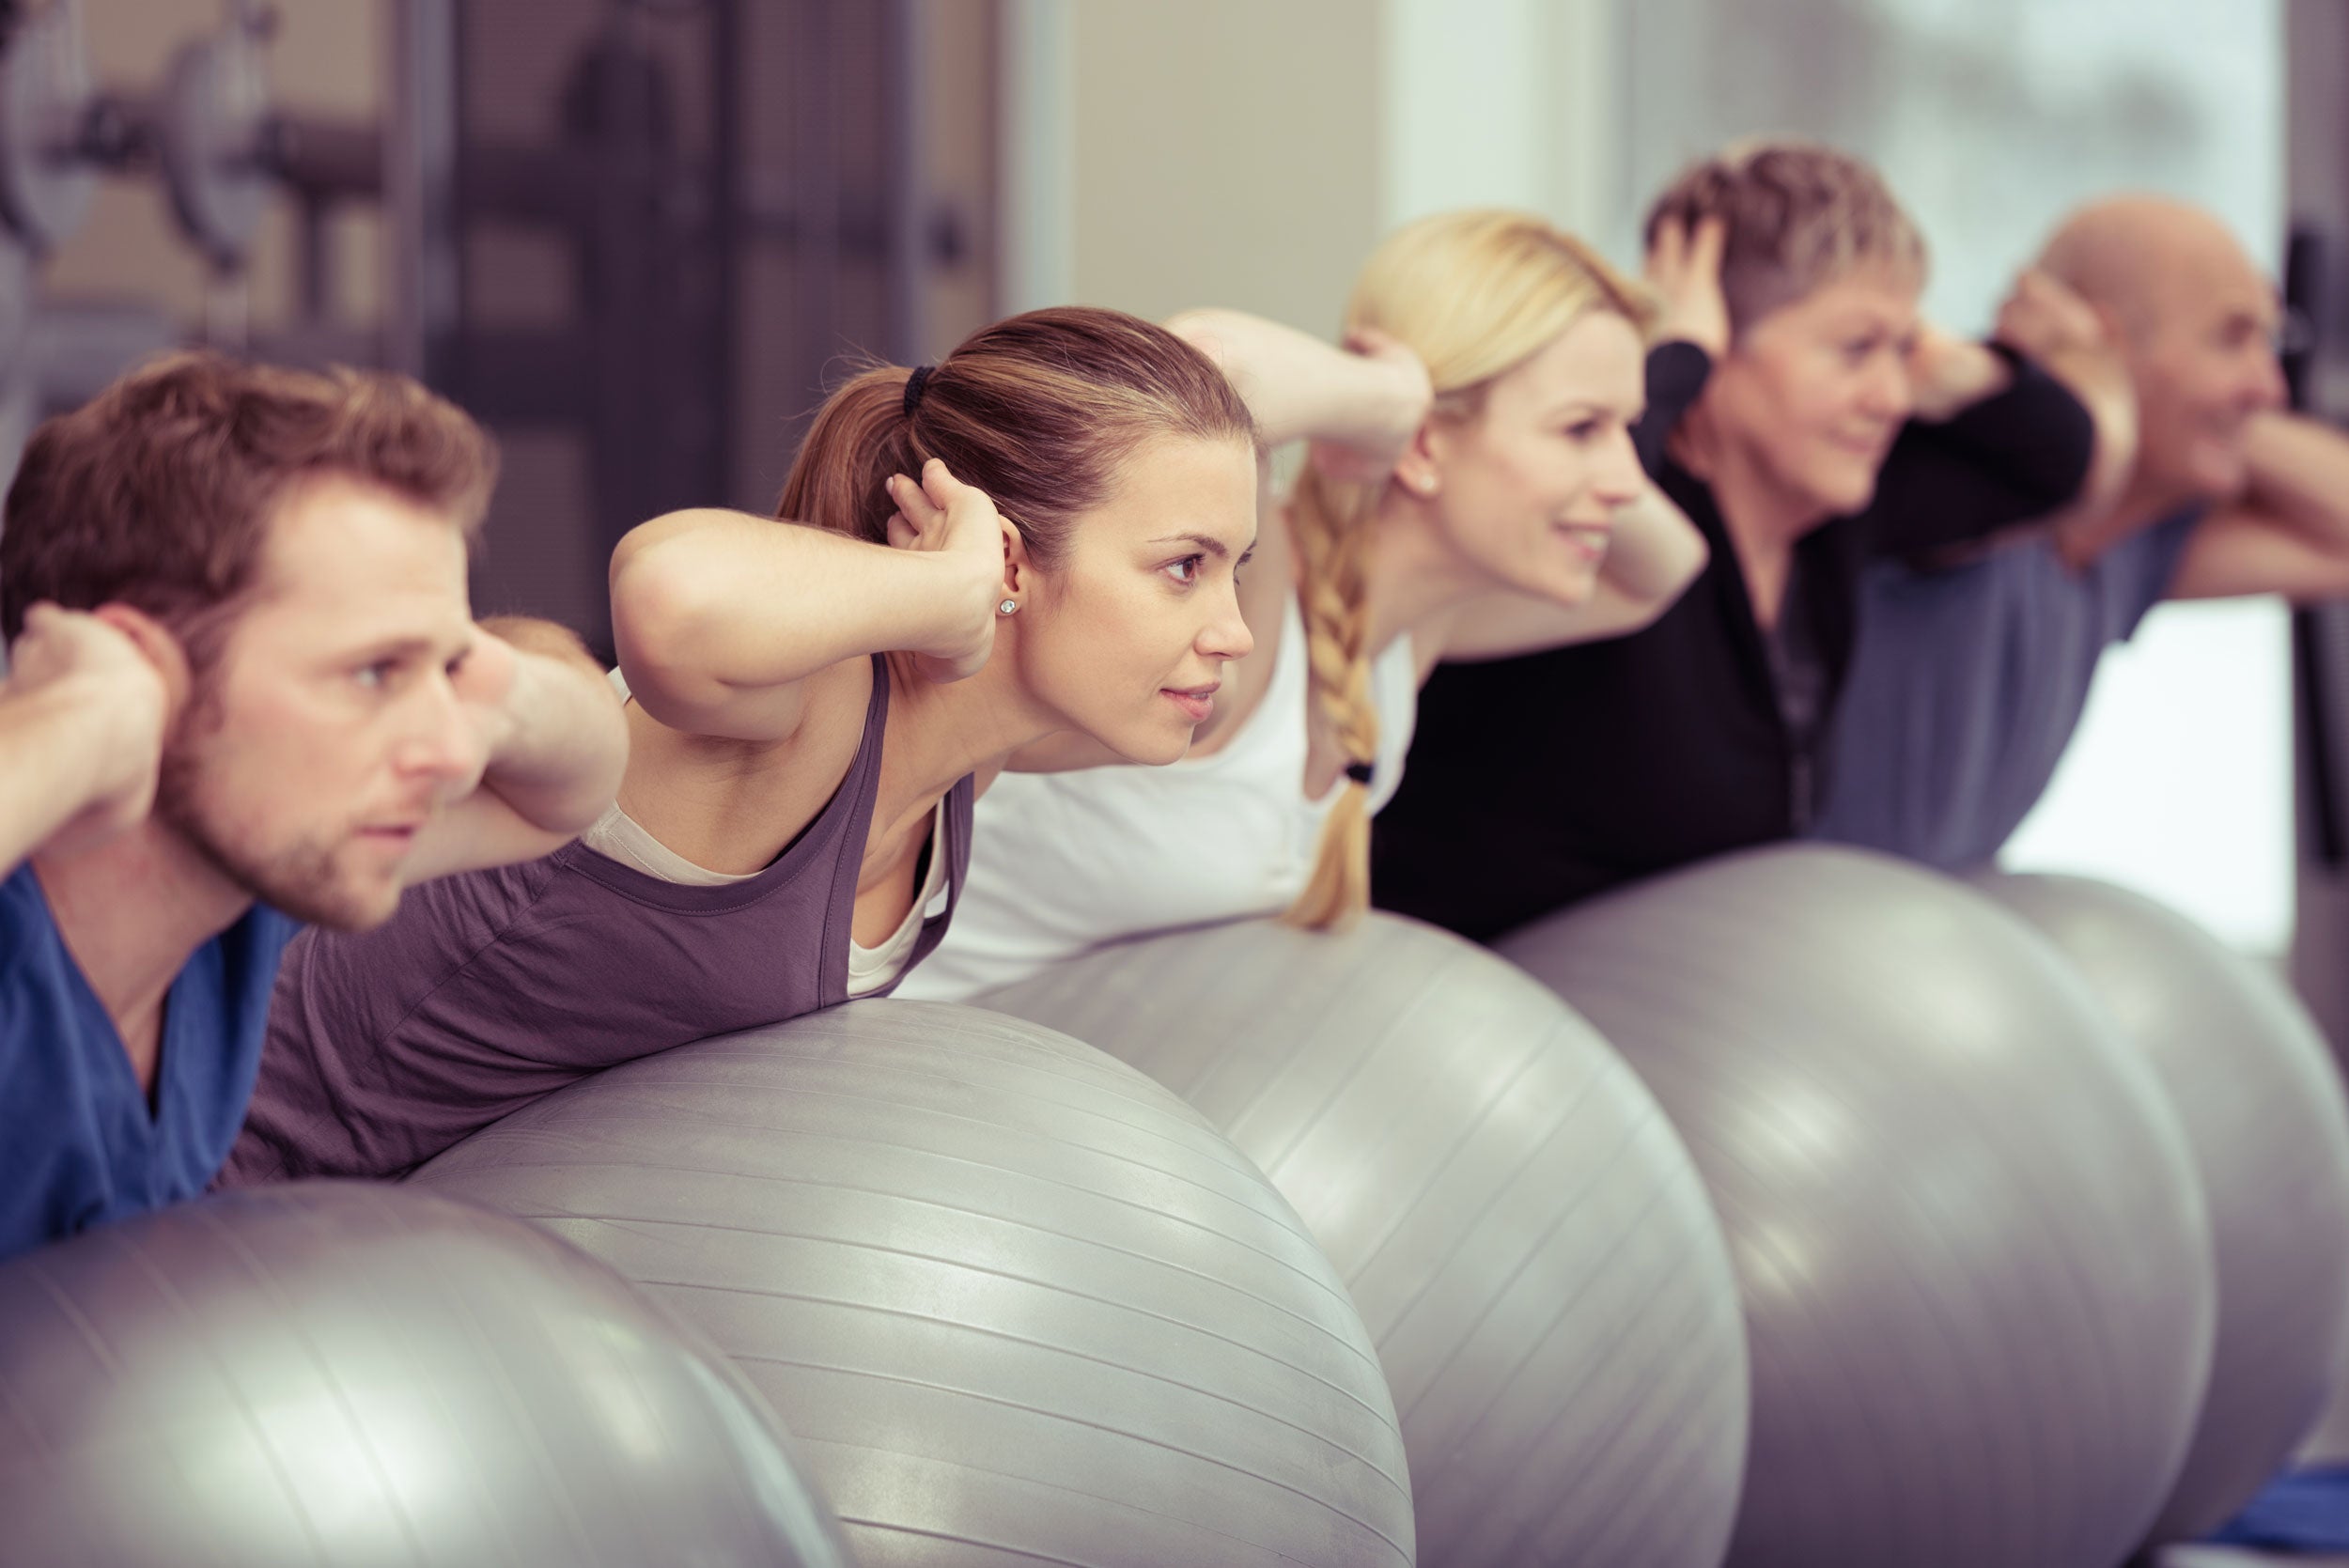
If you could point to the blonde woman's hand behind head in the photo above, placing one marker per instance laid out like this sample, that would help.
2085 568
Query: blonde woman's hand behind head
1684 267
958 525
1399 397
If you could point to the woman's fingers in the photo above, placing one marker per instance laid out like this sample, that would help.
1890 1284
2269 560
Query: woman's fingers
918 520
1702 253
1666 253
939 485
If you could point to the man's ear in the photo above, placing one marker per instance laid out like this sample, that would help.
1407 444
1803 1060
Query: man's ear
157 645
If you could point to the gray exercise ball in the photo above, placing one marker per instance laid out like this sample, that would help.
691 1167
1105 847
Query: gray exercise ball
1975 1261
2256 1088
344 1376
1019 1303
1527 1237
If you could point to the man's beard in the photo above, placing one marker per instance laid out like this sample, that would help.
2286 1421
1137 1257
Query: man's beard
299 881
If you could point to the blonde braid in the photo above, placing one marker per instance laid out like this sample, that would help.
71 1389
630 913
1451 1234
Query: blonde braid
1327 521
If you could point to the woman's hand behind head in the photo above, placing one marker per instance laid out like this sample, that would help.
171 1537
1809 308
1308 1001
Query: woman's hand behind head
1394 402
958 525
1684 267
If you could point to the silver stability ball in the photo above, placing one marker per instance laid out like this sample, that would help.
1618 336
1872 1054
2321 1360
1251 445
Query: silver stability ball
1530 1244
1018 1303
337 1374
1976 1264
2256 1087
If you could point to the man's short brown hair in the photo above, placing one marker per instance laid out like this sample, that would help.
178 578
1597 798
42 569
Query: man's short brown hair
157 492
1798 214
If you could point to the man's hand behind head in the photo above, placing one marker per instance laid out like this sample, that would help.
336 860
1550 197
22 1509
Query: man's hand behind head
119 699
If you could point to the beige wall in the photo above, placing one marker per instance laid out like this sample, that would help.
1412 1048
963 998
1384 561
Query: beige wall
1226 154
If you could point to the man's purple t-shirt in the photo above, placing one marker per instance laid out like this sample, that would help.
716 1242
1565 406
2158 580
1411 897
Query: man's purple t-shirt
1967 683
490 989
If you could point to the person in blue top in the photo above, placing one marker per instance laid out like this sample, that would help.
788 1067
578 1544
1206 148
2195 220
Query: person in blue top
1968 676
245 690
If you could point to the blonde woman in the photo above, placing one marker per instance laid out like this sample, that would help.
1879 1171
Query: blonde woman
1471 492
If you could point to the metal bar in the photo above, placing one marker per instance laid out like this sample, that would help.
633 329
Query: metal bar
533 378
820 60
2320 637
907 218
726 66
315 267
327 159
422 313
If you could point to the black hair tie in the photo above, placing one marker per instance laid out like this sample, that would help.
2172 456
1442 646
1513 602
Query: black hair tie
1359 773
914 384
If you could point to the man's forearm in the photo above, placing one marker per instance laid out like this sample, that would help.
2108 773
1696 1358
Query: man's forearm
2299 476
49 767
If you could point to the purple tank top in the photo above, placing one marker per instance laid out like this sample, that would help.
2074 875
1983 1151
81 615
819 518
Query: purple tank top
491 988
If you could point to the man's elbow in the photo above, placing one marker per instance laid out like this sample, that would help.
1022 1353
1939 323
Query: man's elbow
2064 469
601 763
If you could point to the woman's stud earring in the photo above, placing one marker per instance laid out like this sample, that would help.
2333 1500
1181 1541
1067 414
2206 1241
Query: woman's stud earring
1009 607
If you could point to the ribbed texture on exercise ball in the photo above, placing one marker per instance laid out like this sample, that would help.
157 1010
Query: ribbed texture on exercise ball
1975 1261
2256 1088
1527 1239
341 1375
1019 1303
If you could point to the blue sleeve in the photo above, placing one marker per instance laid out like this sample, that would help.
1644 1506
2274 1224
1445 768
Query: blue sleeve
2136 574
53 1177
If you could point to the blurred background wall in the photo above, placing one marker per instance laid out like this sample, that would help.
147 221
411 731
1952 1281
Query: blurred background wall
640 237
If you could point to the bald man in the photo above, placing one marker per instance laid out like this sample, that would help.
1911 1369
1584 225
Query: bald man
1969 676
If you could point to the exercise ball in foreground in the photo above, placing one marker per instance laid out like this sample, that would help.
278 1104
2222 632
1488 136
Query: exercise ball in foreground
1529 1242
344 1375
2255 1086
1018 1303
1975 1260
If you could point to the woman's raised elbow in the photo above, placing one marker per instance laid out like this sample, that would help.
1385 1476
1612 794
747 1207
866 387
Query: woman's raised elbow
659 599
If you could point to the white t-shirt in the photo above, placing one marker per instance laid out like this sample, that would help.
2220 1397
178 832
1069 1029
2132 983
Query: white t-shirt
1063 863
617 836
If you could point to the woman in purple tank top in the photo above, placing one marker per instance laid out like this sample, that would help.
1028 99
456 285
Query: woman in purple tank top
1038 534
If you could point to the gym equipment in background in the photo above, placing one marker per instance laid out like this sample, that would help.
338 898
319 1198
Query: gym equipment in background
1975 1260
343 1374
55 133
1016 1301
217 136
2255 1086
631 262
1529 1242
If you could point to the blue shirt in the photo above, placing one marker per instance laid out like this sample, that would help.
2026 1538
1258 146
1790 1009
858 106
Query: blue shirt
78 1145
1966 686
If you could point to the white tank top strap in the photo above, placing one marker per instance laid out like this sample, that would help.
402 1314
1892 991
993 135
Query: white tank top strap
1063 863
